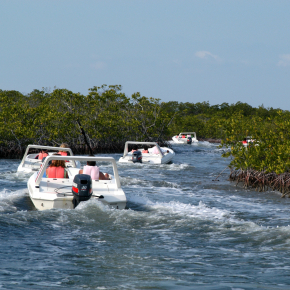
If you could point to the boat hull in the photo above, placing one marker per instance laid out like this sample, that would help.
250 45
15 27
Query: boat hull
149 158
183 140
44 204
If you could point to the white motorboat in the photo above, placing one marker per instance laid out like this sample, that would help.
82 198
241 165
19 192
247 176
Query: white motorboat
31 163
49 193
185 138
249 141
155 155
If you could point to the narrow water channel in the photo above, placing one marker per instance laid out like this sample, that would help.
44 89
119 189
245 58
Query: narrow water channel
184 229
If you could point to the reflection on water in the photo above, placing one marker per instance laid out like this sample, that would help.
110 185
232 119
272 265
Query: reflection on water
182 230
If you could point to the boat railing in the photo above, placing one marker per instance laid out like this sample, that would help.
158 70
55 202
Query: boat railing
44 148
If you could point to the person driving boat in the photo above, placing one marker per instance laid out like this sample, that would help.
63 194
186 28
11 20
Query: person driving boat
63 153
43 153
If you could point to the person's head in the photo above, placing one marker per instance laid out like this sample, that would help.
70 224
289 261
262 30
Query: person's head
145 147
91 163
57 163
64 145
135 147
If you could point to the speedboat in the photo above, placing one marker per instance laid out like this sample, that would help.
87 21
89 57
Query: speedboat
185 138
61 193
249 141
31 163
155 155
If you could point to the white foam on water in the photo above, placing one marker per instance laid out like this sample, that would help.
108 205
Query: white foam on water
138 182
7 194
205 144
13 176
190 211
125 181
8 197
176 166
220 219
138 199
92 202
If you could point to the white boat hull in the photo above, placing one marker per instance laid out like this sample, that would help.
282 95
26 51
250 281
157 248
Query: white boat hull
151 158
182 140
178 138
49 199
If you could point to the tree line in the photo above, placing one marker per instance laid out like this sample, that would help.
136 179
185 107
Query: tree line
106 118
101 121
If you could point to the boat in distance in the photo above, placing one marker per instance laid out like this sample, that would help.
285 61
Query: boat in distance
185 138
57 193
30 163
155 155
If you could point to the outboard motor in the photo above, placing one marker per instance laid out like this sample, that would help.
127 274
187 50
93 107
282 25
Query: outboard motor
137 156
189 140
82 188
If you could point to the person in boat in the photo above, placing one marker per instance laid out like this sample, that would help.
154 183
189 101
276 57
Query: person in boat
63 153
43 153
94 171
155 150
183 136
135 148
145 150
57 169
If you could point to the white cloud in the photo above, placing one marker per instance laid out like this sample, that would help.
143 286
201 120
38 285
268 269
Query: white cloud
98 65
284 60
206 54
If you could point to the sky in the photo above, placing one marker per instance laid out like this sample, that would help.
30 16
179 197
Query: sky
185 50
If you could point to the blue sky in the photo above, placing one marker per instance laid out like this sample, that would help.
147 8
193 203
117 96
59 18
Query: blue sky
185 50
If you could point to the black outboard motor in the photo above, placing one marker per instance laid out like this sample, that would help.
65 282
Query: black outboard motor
137 156
189 140
82 188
